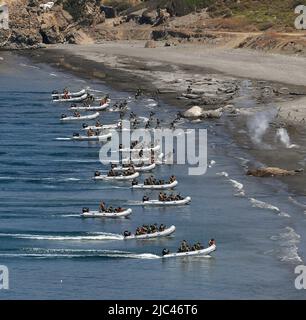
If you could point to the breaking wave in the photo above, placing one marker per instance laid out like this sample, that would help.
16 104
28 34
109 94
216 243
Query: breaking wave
288 240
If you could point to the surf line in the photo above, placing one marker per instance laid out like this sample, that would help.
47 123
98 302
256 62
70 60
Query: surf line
119 310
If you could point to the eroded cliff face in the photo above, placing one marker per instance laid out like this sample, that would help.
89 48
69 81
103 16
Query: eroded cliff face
31 26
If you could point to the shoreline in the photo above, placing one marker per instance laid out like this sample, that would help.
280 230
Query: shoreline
128 72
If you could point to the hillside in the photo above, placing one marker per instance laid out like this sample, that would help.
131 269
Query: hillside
262 24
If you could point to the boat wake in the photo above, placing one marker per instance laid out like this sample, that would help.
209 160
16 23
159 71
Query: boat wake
288 240
83 237
41 253
32 179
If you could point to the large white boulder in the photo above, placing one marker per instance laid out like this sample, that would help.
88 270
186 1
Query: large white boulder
194 112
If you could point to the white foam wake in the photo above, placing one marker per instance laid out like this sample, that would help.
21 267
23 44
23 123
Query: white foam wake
236 184
264 205
42 253
89 237
288 241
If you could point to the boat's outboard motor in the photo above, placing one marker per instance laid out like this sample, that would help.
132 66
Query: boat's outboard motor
84 210
126 233
84 125
76 134
63 116
54 92
73 105
97 173
134 182
165 251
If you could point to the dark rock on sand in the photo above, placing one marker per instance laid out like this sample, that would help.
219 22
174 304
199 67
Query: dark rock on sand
272 172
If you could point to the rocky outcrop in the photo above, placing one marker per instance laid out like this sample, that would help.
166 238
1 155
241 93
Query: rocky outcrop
85 12
66 21
272 172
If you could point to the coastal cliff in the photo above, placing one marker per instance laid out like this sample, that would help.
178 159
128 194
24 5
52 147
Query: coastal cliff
256 25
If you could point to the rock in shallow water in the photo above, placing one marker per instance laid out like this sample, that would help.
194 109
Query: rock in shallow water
194 112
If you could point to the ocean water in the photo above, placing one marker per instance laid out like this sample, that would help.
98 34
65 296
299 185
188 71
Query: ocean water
52 253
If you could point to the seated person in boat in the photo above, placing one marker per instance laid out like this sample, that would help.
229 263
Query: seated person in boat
97 173
103 101
172 125
152 180
211 242
148 125
126 233
77 114
140 153
111 173
98 123
145 198
110 209
119 209
66 94
165 251
162 227
154 228
162 197
90 133
102 206
197 246
113 165
172 179
184 247
171 197
157 123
